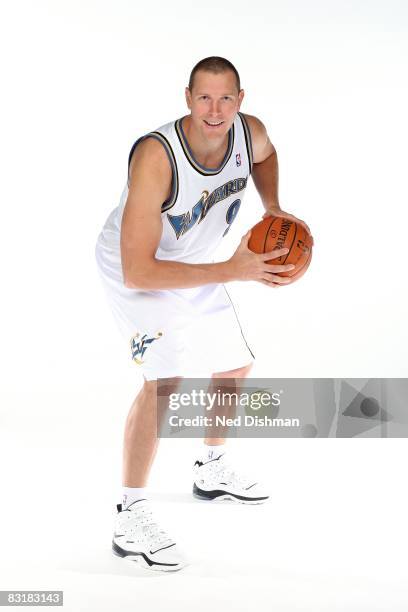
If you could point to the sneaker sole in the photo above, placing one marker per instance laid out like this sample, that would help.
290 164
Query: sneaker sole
144 561
219 495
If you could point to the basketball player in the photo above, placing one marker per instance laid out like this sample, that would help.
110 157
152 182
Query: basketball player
186 182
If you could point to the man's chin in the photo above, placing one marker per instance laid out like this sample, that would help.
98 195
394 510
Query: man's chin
220 130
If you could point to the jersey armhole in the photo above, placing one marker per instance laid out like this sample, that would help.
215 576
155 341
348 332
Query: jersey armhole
170 202
248 141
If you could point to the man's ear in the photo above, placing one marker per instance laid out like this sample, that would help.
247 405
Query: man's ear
240 98
188 97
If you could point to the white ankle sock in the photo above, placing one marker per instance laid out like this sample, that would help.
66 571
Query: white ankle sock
213 451
132 494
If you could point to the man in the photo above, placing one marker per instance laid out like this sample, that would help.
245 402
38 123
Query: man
185 185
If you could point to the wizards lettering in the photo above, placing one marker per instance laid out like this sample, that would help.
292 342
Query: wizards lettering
182 223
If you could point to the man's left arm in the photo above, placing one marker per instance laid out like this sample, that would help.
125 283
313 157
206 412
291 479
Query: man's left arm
265 170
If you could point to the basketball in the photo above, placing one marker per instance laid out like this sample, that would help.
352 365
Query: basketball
274 233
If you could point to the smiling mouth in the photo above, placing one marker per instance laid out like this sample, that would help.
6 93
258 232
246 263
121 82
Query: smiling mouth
213 124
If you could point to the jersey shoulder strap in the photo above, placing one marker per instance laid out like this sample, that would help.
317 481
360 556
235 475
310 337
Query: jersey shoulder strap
170 202
248 140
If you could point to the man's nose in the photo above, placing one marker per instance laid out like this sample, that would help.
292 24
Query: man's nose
215 107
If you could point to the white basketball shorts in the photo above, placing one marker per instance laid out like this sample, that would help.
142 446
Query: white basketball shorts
183 332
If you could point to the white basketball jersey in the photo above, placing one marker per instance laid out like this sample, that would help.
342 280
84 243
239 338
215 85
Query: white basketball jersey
203 202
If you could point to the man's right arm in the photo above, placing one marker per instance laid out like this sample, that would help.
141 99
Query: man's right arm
150 185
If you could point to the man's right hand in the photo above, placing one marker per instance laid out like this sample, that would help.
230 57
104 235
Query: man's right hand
247 265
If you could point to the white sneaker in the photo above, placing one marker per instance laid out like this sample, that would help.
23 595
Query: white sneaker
139 538
215 479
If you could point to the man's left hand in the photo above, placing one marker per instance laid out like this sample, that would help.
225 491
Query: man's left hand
277 212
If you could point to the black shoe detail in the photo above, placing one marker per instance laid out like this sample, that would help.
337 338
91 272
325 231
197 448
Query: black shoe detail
120 552
135 502
120 509
200 463
152 552
201 494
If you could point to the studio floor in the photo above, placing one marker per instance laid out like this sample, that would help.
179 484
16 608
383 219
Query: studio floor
332 537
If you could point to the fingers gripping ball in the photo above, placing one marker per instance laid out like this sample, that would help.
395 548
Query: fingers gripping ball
275 233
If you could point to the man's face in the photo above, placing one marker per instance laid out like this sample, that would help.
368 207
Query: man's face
214 102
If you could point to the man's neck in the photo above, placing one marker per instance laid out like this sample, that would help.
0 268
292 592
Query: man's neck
205 151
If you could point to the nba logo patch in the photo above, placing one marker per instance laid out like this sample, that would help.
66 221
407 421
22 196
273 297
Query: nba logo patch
238 159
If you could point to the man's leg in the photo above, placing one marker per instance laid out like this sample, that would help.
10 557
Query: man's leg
137 534
214 478
238 373
141 440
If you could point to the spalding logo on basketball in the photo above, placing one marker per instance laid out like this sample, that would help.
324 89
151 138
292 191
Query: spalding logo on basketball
275 233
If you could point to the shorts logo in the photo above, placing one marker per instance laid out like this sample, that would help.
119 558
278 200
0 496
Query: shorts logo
238 159
139 347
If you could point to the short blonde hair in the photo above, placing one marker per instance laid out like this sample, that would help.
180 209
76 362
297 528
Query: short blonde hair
215 65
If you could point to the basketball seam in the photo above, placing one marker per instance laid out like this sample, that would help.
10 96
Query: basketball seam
290 248
267 232
304 264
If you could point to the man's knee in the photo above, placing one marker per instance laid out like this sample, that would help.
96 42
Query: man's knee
150 386
237 373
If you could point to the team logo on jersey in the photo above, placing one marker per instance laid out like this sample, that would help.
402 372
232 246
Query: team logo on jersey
182 223
139 346
238 159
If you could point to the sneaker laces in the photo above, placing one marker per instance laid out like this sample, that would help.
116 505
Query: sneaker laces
225 471
144 520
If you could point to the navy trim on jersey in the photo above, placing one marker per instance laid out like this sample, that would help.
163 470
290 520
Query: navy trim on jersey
170 202
174 180
131 153
189 154
248 141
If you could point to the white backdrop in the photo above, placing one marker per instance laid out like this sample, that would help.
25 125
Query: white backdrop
81 80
